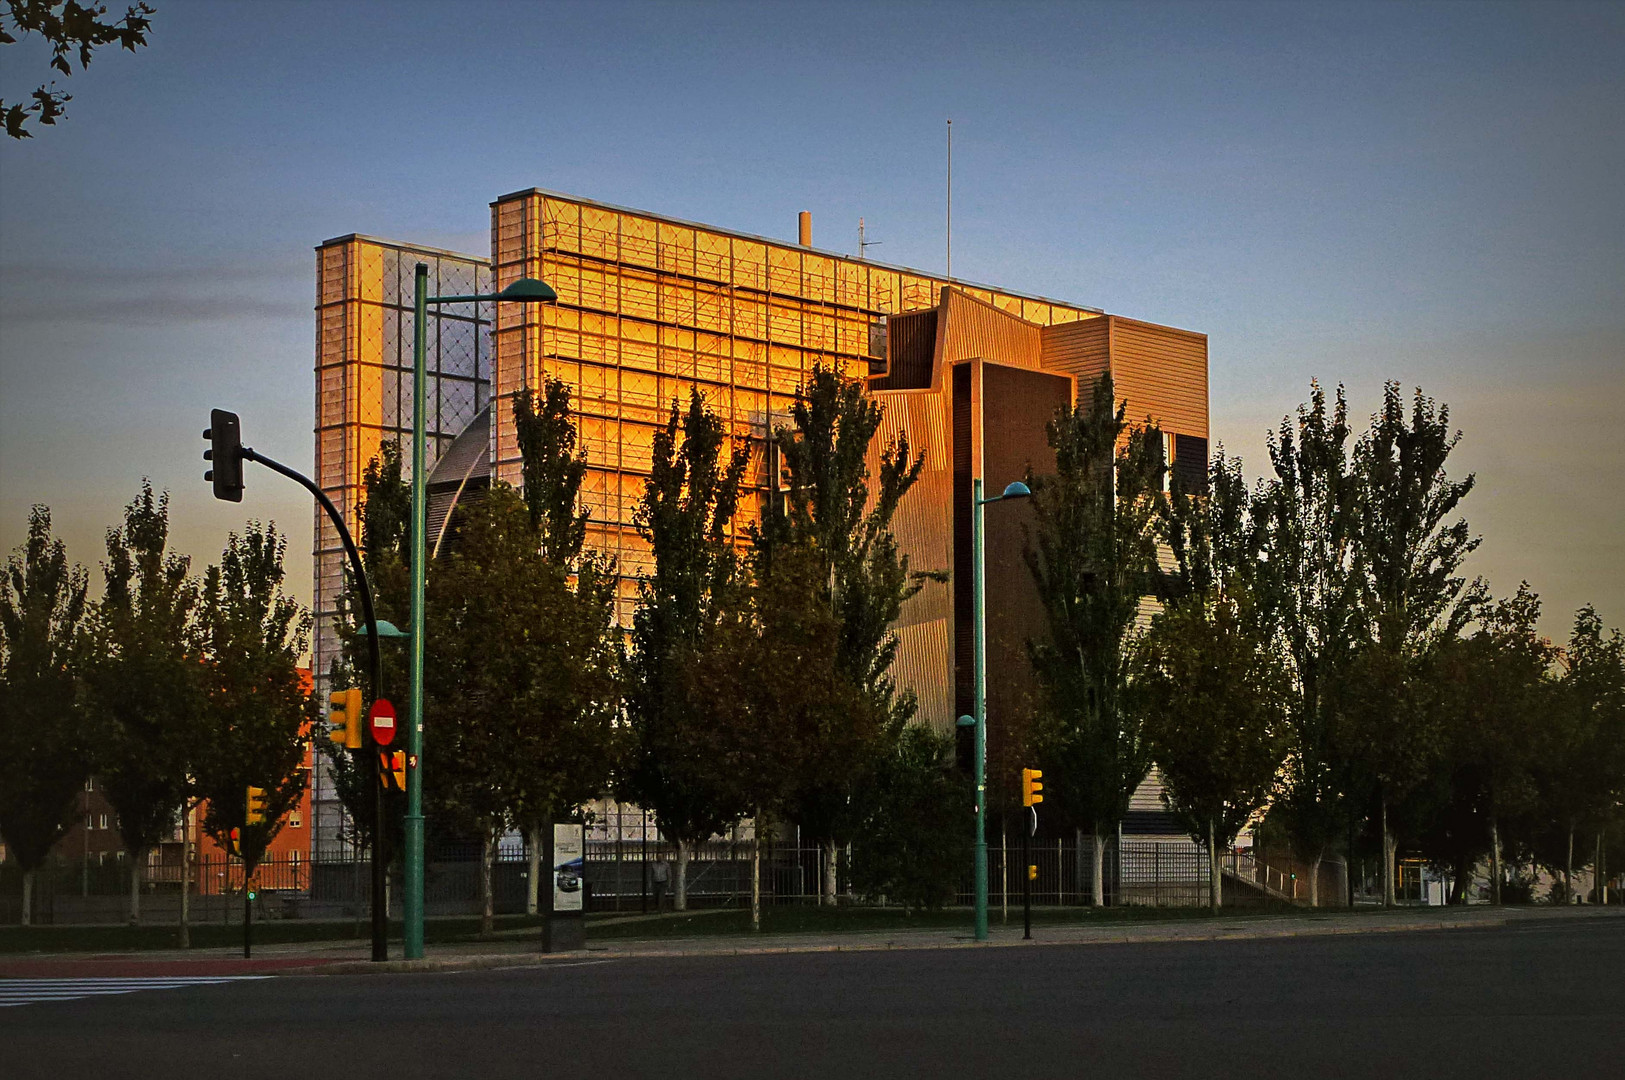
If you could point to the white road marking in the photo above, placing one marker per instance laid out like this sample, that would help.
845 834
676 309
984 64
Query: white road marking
31 991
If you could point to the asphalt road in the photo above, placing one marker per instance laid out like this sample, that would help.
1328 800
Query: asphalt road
1544 999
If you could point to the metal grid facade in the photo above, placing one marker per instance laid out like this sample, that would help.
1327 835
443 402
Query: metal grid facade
364 326
650 307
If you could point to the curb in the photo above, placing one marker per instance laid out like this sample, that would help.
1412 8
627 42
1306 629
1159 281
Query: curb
608 953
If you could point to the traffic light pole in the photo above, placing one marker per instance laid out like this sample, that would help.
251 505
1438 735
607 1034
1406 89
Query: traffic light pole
412 900
380 917
1027 876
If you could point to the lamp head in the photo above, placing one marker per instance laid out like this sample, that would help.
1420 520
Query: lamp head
387 629
529 291
1016 490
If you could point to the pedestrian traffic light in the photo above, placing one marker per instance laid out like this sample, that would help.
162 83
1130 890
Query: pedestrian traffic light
392 769
344 717
224 455
1030 787
256 806
1032 872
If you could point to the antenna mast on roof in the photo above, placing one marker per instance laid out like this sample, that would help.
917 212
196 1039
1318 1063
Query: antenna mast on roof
864 244
950 274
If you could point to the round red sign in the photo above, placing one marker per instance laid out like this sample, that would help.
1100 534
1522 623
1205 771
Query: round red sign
381 722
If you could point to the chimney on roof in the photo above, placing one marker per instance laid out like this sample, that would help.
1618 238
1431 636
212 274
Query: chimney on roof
805 221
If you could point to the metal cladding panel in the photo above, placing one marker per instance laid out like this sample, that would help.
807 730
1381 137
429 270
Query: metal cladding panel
1080 349
973 328
924 661
1162 373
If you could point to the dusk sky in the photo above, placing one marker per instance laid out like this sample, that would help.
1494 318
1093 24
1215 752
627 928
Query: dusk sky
1353 193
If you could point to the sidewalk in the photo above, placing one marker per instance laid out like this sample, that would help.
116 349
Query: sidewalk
352 957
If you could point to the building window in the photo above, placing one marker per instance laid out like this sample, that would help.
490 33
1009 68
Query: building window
295 821
103 824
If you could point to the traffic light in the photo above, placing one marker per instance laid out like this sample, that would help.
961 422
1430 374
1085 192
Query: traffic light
344 717
256 806
1030 787
392 769
224 455
234 845
1032 872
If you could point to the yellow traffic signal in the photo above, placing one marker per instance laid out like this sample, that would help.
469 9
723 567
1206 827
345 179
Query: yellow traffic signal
256 806
392 769
1032 872
344 717
1030 787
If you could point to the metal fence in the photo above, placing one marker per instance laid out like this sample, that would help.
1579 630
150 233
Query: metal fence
623 876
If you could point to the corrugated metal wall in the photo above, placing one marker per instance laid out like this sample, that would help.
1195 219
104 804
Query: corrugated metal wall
1161 372
924 661
972 328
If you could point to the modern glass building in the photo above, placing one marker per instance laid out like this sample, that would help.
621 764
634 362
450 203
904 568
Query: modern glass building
651 307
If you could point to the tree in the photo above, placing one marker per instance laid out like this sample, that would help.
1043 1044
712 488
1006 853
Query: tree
522 691
833 527
385 519
70 28
144 680
685 514
1409 597
43 750
1093 557
1496 692
1211 694
1307 587
257 708
553 469
913 837
1579 766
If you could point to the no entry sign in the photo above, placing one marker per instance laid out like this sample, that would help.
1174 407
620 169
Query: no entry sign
381 722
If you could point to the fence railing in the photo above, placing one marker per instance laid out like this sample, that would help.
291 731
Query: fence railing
625 876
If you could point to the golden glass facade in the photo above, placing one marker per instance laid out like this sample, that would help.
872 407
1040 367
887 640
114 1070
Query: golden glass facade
650 307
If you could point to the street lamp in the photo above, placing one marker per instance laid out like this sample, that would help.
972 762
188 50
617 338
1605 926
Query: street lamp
523 291
1015 490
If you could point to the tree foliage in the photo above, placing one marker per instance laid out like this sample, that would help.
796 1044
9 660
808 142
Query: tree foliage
72 29
1210 691
685 514
826 545
144 681
43 747
553 468
257 708
913 839
1307 587
1093 557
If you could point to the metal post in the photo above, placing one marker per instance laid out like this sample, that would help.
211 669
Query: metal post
979 638
412 902
1027 877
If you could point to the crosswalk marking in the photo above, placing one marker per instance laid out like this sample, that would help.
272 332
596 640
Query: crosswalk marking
31 991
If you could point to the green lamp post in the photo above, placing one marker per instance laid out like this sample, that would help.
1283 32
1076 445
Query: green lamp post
1016 490
524 291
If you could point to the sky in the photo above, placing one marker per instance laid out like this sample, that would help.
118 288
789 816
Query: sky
1345 192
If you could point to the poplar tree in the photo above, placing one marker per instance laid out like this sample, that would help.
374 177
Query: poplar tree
144 681
43 745
1210 693
1409 598
1093 557
1307 587
833 524
257 708
675 766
